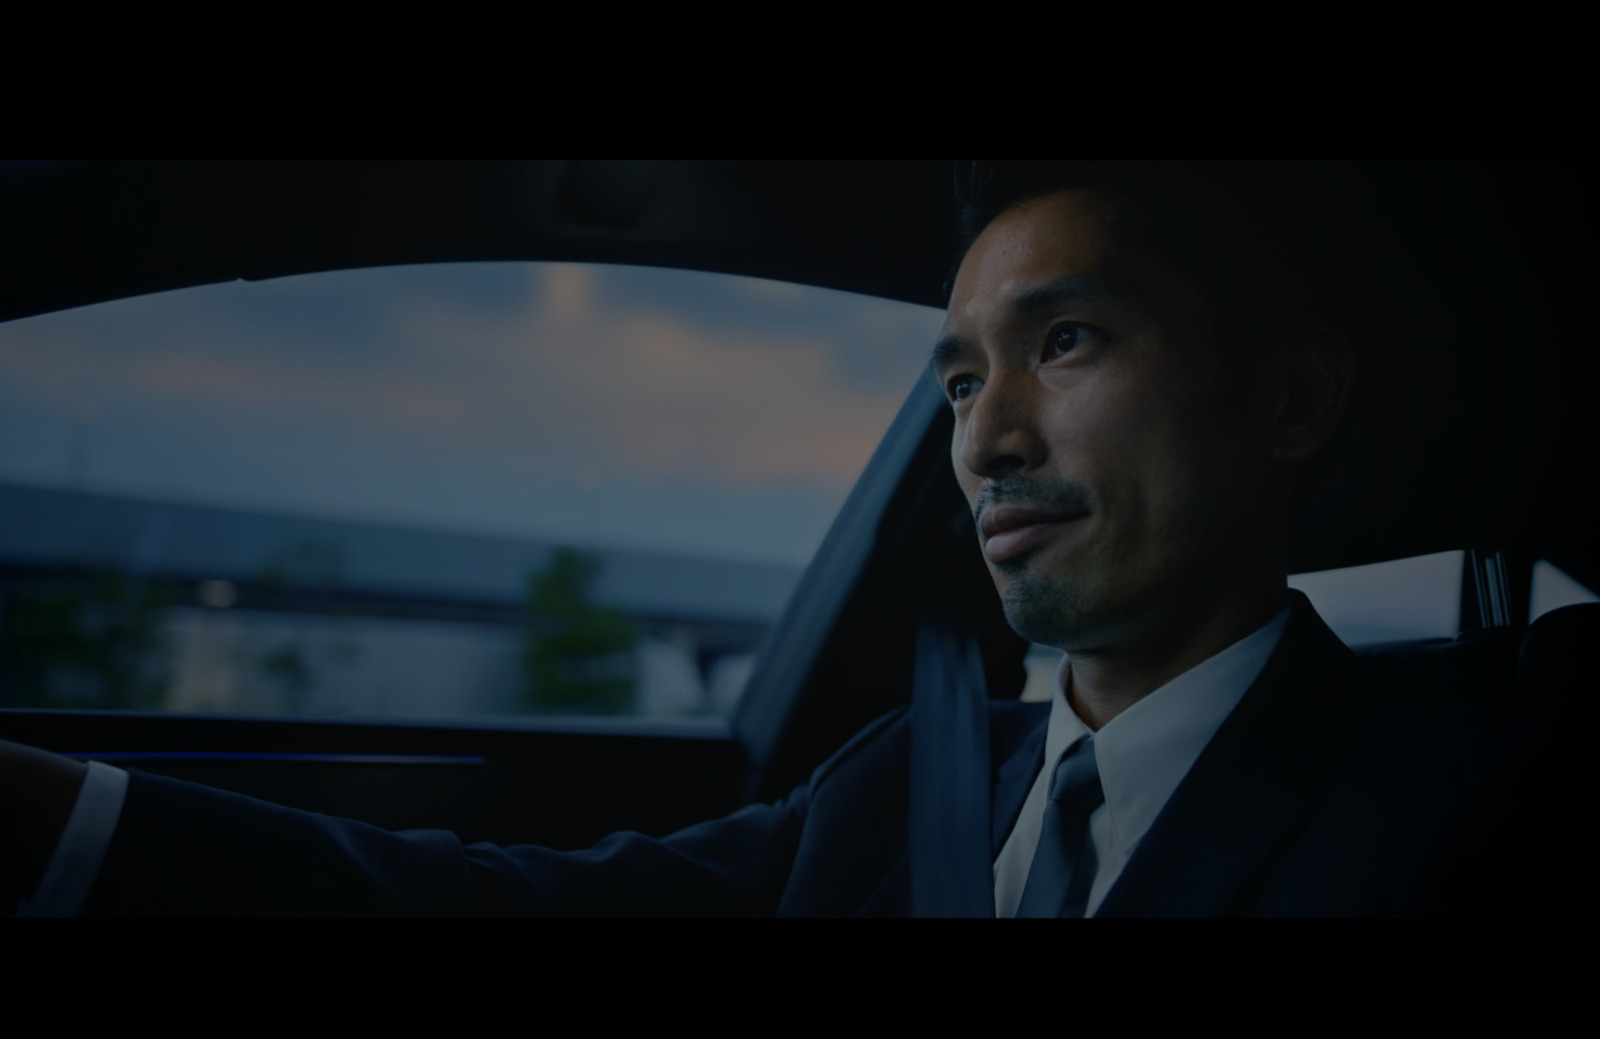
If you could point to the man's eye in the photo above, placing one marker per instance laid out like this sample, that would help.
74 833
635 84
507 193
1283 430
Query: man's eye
1061 339
961 387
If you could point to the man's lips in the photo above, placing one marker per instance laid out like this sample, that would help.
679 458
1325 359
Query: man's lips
1010 530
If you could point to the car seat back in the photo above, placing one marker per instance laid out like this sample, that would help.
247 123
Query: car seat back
1559 711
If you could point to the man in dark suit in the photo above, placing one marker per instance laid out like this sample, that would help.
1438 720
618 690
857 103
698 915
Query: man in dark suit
1136 386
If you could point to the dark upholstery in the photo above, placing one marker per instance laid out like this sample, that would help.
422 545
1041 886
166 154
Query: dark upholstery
1478 665
1542 681
1557 685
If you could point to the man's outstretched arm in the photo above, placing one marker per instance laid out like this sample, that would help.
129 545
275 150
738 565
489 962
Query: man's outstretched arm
189 850
37 793
161 847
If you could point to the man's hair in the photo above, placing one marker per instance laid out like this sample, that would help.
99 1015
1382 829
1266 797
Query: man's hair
1275 247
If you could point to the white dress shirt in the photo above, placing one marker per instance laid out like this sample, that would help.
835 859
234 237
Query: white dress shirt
1143 754
82 848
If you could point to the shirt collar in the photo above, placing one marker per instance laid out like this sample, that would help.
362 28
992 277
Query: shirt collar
1144 752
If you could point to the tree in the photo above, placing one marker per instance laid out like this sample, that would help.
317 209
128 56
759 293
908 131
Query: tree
578 656
90 637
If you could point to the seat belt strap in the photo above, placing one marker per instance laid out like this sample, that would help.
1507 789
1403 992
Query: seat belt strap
952 869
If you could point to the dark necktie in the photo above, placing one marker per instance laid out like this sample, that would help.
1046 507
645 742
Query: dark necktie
1063 866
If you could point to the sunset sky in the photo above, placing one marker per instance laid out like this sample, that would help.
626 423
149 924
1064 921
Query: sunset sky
594 405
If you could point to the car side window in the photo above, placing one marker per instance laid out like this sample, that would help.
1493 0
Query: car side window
1554 588
1393 601
448 491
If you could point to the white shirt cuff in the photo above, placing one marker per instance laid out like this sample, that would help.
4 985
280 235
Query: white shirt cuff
82 848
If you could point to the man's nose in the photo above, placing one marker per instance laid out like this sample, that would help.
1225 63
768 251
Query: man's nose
1001 434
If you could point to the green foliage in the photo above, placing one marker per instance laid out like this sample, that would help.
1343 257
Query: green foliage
292 665
578 657
93 638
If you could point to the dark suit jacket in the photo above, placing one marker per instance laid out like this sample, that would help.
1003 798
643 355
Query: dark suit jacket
1324 793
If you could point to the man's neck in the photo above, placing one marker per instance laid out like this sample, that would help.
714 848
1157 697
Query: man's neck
1103 682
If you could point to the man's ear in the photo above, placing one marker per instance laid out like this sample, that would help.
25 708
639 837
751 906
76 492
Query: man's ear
1312 374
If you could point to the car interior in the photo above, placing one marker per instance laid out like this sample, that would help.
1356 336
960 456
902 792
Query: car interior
1473 431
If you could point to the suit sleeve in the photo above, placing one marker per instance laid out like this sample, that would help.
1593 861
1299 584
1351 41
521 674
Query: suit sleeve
741 865
181 849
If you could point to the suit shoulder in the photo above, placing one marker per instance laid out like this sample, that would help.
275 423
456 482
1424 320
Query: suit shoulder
1010 724
888 730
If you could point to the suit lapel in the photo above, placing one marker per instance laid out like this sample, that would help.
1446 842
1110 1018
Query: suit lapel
1016 741
1018 732
1251 790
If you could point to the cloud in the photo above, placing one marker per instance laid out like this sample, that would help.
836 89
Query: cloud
578 380
568 292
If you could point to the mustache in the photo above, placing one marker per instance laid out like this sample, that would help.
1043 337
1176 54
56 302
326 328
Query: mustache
1055 495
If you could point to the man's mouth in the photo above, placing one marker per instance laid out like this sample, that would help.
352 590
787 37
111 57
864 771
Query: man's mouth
1011 530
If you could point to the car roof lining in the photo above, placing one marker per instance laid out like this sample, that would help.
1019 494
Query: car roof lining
85 232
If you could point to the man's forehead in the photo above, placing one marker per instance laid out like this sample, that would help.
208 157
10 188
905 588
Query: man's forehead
1054 251
1059 240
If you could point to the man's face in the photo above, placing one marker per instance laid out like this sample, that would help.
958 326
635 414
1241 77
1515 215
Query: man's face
1107 443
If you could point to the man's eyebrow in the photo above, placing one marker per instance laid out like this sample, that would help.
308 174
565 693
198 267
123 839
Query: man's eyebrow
948 351
1070 288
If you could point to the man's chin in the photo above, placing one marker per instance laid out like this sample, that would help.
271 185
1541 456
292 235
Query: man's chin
1040 610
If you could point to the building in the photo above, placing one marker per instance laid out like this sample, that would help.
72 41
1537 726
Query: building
109 601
